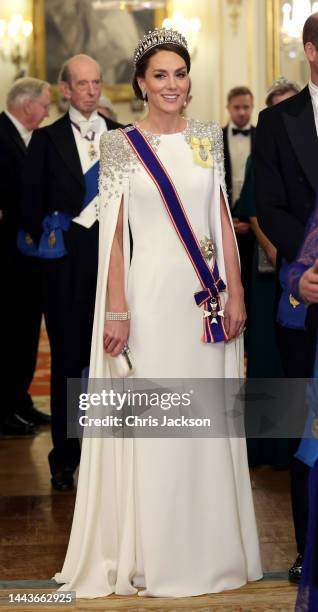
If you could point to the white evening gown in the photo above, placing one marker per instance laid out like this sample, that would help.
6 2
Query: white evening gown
174 516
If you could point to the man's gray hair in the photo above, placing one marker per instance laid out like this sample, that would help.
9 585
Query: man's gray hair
23 89
65 74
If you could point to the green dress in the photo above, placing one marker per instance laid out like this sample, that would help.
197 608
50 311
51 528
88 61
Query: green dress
262 352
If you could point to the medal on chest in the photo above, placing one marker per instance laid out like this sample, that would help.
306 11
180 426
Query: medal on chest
90 137
92 153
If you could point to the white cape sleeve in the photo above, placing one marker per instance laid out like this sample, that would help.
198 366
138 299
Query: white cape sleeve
234 350
90 567
113 190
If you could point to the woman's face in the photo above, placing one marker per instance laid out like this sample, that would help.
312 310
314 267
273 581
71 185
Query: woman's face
166 82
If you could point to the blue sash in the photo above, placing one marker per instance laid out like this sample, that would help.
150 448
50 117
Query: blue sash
212 284
52 241
91 184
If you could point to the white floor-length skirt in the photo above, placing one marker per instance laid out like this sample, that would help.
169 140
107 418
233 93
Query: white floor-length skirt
172 516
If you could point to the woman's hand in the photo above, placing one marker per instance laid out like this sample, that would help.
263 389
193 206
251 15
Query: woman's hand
234 315
240 227
271 253
115 336
308 285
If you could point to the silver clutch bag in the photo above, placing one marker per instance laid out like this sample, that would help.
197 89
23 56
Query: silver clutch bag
264 266
122 366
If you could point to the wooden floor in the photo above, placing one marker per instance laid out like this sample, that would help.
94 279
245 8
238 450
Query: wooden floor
253 598
35 522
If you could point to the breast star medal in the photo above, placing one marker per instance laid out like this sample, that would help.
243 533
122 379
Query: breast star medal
202 151
207 248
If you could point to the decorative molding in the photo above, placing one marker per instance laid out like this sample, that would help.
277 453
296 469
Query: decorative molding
250 43
221 69
235 13
272 41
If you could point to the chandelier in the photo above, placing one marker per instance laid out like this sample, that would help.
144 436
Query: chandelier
188 27
295 14
15 34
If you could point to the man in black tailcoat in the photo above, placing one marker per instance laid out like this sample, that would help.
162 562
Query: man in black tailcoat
59 211
286 183
238 137
28 103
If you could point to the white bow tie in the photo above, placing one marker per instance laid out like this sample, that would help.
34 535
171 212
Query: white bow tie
87 126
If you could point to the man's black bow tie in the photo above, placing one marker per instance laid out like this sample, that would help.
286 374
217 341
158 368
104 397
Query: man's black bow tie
236 131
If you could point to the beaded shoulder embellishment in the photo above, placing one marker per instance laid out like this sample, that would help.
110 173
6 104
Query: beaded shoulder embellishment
117 158
206 141
118 161
203 131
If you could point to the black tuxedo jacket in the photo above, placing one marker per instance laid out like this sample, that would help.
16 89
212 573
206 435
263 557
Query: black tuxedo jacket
227 160
53 177
286 171
12 157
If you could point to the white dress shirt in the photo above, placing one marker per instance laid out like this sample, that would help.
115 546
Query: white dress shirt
96 124
23 131
239 148
313 90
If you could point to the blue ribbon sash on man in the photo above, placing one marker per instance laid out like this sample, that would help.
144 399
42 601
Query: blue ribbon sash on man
55 224
91 184
212 284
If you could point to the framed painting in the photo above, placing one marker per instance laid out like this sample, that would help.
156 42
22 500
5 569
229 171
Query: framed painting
108 30
285 54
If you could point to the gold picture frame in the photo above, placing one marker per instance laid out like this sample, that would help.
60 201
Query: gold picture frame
272 40
42 55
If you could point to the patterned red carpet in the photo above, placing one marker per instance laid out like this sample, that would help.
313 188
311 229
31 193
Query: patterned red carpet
40 388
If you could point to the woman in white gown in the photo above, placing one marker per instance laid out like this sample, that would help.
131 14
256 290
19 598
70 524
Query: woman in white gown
172 516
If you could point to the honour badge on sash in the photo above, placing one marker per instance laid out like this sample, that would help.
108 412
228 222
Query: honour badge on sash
51 239
293 302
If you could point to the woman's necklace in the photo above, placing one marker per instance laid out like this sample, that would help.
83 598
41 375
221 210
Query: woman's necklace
157 132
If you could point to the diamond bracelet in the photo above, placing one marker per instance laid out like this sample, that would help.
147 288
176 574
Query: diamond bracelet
117 316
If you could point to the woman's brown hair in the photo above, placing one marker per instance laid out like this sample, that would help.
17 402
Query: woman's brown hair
143 63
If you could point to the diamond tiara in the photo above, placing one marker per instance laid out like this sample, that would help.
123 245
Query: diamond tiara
158 37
